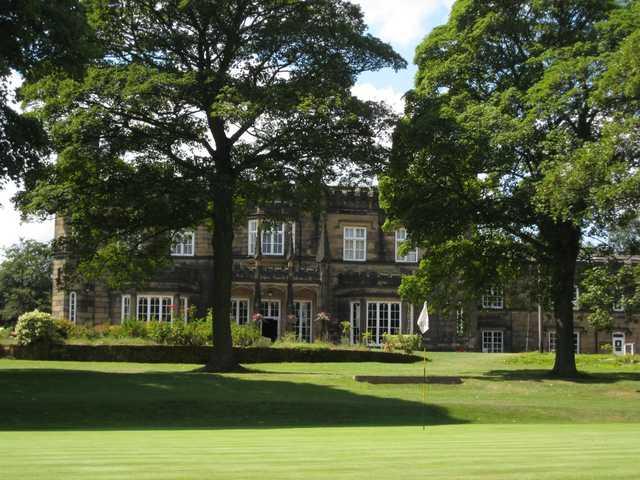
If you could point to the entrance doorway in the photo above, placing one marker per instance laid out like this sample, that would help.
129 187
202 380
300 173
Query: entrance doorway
270 311
618 343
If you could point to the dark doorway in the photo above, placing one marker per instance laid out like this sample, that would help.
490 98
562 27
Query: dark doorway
270 328
270 310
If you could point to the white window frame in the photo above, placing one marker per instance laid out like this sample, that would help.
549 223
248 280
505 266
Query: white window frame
183 306
182 248
552 339
493 299
575 302
125 307
377 330
73 307
350 241
273 240
235 309
252 235
412 256
161 316
299 327
272 244
355 318
490 346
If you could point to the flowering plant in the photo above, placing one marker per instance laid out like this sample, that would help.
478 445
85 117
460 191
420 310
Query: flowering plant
323 317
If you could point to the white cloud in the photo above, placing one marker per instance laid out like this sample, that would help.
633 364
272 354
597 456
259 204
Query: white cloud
401 22
367 91
12 229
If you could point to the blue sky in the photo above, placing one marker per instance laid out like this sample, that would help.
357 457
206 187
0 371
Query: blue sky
402 23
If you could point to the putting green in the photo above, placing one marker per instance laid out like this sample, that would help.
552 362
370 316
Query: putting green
454 451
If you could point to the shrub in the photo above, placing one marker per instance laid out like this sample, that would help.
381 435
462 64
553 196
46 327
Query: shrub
159 332
83 331
65 328
288 338
345 326
263 342
193 334
134 328
606 348
410 343
37 327
4 333
406 343
245 335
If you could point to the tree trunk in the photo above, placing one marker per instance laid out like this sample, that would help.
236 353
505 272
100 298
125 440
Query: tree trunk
565 244
595 336
222 357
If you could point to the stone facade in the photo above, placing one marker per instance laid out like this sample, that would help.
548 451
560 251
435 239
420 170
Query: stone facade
299 268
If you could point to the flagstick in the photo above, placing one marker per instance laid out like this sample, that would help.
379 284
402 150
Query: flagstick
424 387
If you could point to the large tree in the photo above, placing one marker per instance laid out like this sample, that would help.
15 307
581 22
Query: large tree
196 107
523 128
36 37
25 279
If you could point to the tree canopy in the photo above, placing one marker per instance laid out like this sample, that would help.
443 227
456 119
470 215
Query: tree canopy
36 38
25 279
523 126
196 107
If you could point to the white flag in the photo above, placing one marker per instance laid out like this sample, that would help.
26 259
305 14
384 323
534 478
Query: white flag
423 319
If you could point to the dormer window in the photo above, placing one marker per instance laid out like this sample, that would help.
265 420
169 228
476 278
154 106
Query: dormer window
412 255
355 244
183 244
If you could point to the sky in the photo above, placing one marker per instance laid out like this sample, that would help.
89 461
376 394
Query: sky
401 23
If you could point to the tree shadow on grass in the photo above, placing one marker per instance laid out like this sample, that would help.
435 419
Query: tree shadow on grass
39 399
538 375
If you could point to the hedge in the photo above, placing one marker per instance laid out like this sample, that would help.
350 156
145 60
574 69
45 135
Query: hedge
197 355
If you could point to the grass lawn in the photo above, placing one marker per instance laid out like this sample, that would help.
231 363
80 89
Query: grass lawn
507 420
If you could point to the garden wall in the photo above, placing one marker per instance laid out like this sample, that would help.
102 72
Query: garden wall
197 355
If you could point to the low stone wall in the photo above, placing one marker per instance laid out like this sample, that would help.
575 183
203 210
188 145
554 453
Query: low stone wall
197 355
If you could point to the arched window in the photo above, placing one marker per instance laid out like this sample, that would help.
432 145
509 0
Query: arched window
73 307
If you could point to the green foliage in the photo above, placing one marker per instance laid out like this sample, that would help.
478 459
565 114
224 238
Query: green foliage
65 328
159 332
604 284
245 335
195 333
25 279
406 343
516 130
263 342
289 338
37 38
266 113
345 328
134 328
37 328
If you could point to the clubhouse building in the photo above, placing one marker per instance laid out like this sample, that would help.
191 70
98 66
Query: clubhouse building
339 263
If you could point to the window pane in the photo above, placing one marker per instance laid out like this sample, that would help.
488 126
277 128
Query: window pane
154 308
143 308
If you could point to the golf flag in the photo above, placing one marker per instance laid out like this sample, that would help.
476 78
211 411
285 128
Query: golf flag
423 319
